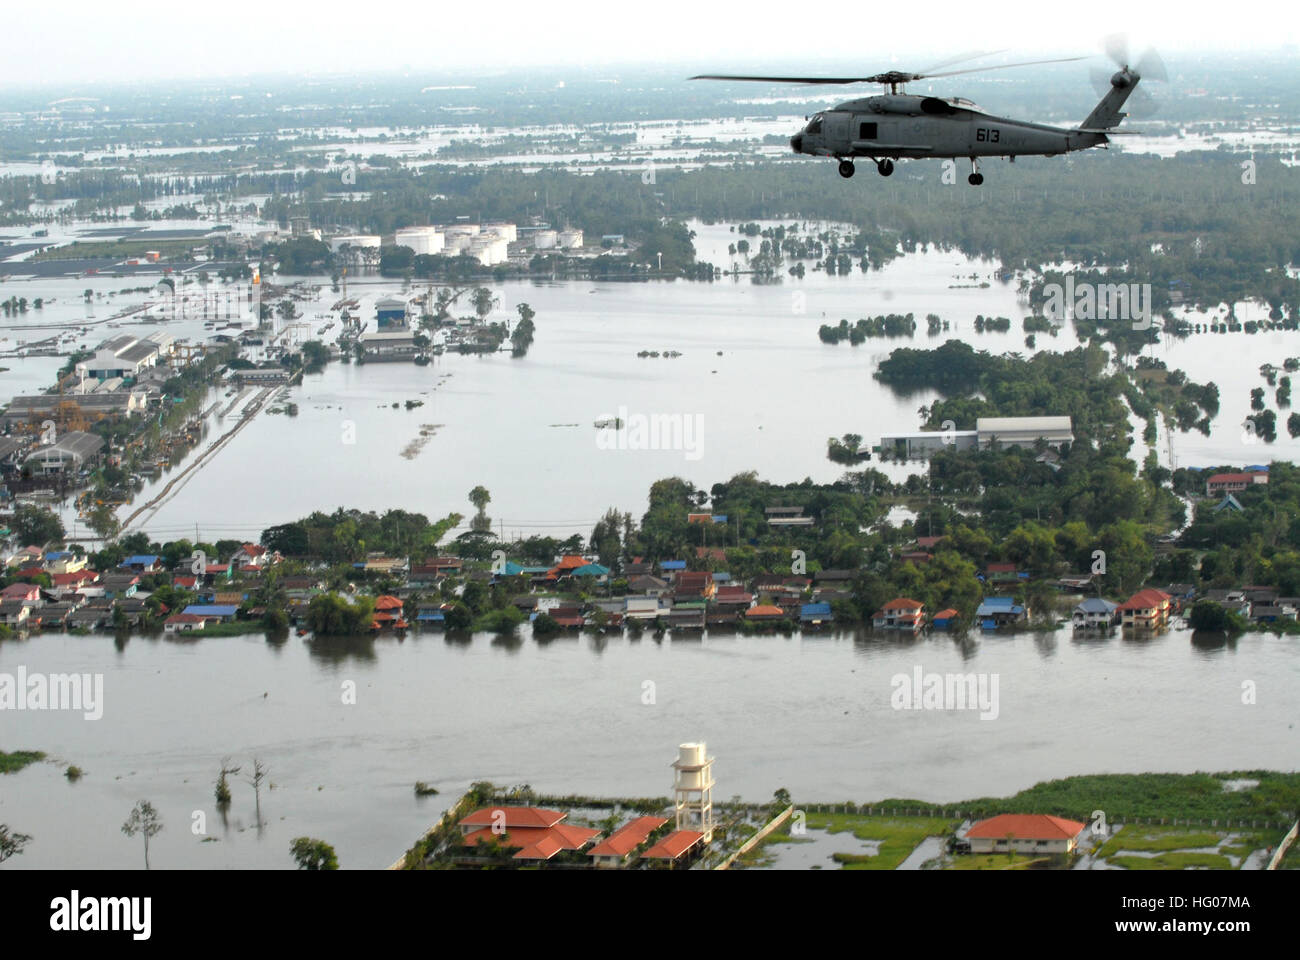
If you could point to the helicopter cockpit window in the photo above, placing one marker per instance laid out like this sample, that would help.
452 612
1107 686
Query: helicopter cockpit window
816 125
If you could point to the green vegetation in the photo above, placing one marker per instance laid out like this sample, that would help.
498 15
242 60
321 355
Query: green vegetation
16 760
898 836
1174 861
1169 795
311 854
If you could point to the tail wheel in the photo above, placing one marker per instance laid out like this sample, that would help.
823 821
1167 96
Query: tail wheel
975 179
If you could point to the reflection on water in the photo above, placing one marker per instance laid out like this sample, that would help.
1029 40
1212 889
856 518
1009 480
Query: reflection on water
570 715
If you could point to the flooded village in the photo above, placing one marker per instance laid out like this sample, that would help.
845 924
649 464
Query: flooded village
445 495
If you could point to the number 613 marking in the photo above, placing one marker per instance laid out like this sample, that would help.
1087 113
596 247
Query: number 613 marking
986 134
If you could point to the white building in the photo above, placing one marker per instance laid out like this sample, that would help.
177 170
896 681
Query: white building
569 239
1023 431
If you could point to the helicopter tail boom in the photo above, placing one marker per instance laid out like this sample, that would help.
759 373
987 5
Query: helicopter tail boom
1107 114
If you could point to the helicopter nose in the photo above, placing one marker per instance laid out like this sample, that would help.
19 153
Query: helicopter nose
796 143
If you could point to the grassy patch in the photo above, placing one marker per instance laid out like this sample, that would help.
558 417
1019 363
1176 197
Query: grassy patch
13 762
899 836
1173 861
1158 839
991 861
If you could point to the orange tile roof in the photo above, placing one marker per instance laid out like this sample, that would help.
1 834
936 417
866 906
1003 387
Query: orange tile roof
534 817
674 845
946 614
1145 599
387 602
903 603
765 610
627 837
1026 826
537 843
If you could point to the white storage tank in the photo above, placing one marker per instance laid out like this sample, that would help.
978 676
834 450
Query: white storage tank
545 239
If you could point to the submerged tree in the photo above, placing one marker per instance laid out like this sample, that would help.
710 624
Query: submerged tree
11 844
146 821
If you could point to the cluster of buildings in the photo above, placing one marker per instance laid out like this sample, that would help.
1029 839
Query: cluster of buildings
81 597
536 835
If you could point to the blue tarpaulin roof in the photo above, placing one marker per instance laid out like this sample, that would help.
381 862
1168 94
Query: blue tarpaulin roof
144 559
673 565
212 609
815 610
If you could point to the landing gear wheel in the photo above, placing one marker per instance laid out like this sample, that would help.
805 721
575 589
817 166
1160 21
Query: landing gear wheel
847 169
885 167
975 179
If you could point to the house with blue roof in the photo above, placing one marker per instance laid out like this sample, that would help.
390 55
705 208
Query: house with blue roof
995 612
815 614
670 566
142 563
1095 613
219 611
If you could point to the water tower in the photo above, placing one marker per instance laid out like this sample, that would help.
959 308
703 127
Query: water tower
693 789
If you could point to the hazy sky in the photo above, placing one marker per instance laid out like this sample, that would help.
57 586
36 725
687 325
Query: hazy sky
76 41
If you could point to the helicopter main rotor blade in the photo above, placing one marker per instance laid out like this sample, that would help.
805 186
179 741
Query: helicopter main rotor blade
997 66
728 76
960 58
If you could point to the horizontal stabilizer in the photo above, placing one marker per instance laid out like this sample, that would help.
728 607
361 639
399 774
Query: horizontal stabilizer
1109 132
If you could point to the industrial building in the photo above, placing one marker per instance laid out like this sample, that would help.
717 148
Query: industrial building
1023 431
69 453
989 432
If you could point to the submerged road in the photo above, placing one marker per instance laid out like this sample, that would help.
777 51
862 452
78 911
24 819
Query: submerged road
246 417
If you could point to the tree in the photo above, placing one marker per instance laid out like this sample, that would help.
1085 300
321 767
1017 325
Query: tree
313 854
255 779
11 844
36 526
223 787
103 521
480 498
145 821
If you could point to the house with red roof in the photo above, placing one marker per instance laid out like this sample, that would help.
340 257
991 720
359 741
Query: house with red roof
28 593
388 614
186 622
901 613
764 613
1146 609
1222 483
695 584
251 555
1025 833
532 832
616 850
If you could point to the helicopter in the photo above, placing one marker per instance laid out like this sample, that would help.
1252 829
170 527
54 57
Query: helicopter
897 125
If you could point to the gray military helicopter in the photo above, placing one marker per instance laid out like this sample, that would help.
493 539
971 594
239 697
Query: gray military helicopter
897 125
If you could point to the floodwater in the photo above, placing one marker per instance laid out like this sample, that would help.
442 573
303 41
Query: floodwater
753 389
595 716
